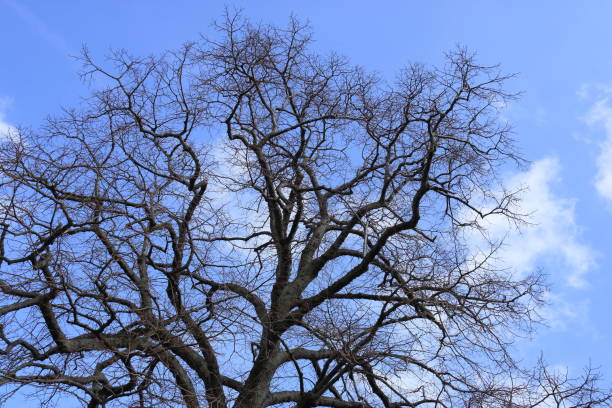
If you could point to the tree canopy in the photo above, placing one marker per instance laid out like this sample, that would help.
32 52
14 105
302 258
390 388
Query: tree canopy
244 222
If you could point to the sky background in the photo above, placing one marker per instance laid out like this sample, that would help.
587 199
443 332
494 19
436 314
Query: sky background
561 50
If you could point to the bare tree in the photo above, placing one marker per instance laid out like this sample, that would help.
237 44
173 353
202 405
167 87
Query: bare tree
245 223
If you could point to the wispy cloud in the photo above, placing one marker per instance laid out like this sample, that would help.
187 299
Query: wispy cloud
7 131
551 239
600 114
39 26
563 312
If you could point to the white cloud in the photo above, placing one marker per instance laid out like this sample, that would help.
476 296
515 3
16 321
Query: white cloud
562 312
7 131
601 114
551 237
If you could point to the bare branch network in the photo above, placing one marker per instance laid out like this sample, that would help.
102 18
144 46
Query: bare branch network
243 223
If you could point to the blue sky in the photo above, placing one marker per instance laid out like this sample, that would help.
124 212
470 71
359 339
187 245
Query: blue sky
563 121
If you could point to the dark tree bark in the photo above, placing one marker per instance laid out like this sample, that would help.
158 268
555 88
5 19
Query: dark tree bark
245 223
